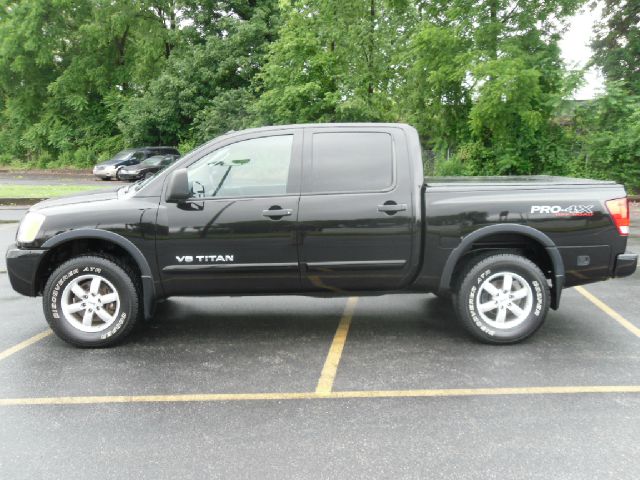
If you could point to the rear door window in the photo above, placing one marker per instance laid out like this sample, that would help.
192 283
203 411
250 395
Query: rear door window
351 162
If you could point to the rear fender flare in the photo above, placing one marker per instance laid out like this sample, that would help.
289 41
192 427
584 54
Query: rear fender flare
467 242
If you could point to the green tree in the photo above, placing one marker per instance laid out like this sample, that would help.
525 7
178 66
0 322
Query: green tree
334 61
485 81
608 137
204 88
616 46
80 79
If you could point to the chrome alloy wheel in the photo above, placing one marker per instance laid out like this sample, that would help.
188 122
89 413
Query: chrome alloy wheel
90 303
504 300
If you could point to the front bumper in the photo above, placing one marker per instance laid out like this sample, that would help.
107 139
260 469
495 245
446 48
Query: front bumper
22 267
626 264
105 173
130 175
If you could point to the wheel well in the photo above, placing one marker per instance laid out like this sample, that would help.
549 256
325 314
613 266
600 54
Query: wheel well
509 242
80 246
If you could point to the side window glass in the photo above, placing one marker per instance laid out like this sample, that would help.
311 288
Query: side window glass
255 167
351 162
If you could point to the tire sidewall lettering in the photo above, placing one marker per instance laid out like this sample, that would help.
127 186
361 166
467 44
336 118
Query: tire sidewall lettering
55 293
117 326
471 305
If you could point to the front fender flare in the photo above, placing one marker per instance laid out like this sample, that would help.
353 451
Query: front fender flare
148 286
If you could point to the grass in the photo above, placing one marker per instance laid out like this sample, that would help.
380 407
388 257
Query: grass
42 191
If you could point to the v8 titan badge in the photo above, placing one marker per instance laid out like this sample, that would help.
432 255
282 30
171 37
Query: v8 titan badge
204 258
558 211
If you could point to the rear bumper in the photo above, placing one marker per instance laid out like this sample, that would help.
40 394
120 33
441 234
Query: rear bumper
22 266
626 264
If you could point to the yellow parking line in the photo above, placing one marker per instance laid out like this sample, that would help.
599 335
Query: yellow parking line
609 311
22 345
328 375
226 397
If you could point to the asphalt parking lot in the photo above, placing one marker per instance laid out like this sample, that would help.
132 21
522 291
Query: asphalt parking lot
296 387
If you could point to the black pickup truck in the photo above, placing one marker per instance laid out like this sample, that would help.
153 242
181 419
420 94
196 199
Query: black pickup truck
327 209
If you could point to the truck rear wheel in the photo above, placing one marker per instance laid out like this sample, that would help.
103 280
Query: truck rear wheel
502 298
92 301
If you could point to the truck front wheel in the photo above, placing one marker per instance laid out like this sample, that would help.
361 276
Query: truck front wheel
92 301
501 298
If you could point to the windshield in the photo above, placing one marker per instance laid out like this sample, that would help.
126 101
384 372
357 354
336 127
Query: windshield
153 161
120 156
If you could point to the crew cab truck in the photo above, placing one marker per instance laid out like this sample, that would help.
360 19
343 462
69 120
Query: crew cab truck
326 210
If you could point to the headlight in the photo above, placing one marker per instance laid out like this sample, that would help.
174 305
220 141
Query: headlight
29 227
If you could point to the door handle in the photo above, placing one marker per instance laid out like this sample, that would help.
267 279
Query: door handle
392 208
277 212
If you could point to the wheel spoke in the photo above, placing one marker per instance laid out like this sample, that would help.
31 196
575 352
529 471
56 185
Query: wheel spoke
73 308
516 310
109 297
104 316
87 319
78 291
502 315
507 282
488 306
491 289
95 285
518 294
88 312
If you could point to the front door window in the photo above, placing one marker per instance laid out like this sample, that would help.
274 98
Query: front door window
250 168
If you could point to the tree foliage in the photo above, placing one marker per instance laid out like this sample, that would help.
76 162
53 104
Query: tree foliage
609 127
335 61
616 45
482 80
485 83
80 79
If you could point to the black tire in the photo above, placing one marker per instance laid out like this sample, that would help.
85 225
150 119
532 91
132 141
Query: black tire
471 291
118 175
116 276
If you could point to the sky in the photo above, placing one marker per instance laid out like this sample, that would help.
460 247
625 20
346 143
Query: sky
576 52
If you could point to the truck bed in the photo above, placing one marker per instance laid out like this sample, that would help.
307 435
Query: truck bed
519 181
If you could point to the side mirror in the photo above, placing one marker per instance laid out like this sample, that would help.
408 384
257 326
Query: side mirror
178 188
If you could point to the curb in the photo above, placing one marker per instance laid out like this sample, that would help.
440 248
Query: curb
13 202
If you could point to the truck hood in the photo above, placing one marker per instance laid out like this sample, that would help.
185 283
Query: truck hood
136 168
85 197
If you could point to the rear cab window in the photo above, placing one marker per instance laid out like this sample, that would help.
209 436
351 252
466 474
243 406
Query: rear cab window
350 161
